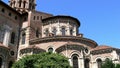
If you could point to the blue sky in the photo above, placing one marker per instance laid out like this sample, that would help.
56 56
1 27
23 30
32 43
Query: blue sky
100 19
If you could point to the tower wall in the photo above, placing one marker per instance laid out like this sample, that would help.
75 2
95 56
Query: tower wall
23 5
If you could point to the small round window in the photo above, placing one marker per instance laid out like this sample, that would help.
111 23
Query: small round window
86 51
12 53
50 50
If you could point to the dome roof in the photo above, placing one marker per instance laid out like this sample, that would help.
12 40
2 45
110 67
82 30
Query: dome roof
62 16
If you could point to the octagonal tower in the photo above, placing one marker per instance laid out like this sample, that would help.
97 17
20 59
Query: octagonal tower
22 5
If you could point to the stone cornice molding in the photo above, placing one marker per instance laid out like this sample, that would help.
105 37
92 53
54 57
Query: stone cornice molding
103 51
86 41
59 17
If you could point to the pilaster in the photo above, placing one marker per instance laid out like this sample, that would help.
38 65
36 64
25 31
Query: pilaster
7 35
81 62
58 29
68 29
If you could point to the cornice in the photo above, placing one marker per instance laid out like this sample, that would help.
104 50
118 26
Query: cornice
61 17
103 51
86 41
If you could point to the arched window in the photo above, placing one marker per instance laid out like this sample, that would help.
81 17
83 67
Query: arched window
30 6
24 3
10 64
75 61
86 63
54 31
63 31
99 63
71 31
12 38
0 62
20 1
47 32
23 38
37 33
107 59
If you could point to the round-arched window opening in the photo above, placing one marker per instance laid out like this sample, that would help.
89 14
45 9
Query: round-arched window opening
87 63
12 53
50 49
99 63
75 61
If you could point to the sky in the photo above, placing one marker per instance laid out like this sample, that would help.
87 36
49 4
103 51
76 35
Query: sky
100 19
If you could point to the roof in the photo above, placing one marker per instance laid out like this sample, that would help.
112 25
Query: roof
8 7
63 16
43 13
101 47
92 43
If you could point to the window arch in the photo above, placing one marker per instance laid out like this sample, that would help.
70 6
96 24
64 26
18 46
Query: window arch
24 4
99 63
47 32
1 62
86 63
75 61
37 33
23 38
20 1
107 59
71 31
12 40
54 31
63 31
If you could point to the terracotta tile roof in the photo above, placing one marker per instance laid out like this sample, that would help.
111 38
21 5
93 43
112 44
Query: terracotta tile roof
31 47
101 47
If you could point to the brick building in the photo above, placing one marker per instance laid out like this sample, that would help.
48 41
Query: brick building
25 31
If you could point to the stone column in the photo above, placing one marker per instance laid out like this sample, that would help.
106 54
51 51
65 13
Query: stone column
94 65
58 29
81 63
70 61
7 35
27 37
22 4
74 30
50 27
17 4
68 29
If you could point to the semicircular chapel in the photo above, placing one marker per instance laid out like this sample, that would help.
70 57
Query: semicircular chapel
26 31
